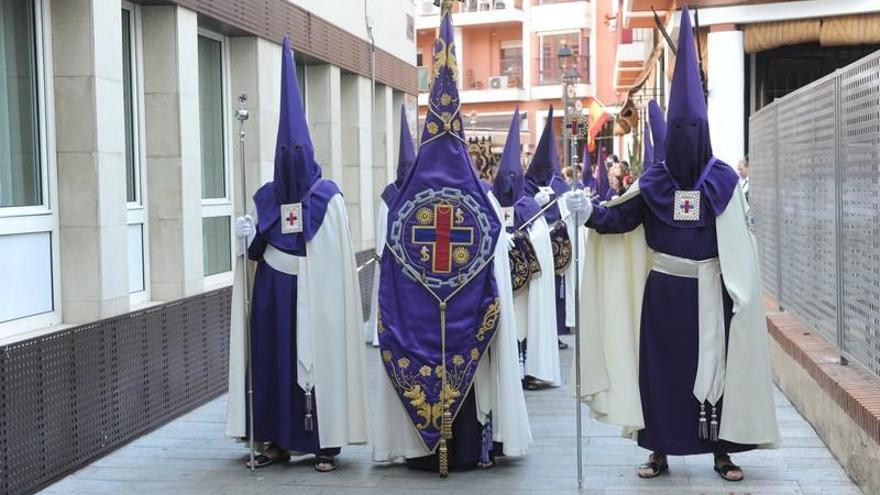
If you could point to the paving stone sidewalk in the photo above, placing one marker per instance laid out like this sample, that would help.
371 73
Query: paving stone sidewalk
191 456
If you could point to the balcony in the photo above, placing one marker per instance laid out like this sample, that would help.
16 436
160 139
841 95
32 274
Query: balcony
480 87
634 47
547 70
471 13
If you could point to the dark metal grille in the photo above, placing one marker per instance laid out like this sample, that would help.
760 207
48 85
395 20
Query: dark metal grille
77 394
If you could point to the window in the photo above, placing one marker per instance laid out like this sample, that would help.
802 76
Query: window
28 225
20 170
548 66
216 193
138 242
511 62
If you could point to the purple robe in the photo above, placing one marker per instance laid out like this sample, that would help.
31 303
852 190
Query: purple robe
279 402
669 333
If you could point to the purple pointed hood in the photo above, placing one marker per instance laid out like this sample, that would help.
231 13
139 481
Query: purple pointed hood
295 166
601 174
297 177
687 161
587 179
406 154
688 148
545 161
508 184
658 130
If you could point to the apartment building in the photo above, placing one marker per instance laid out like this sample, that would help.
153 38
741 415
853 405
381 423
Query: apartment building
119 150
751 52
507 53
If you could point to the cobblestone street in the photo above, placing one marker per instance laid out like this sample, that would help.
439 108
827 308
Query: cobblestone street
191 456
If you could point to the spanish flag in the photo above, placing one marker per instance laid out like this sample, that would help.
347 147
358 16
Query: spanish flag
598 118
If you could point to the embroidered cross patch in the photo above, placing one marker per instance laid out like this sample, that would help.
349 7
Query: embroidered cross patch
546 189
687 206
291 218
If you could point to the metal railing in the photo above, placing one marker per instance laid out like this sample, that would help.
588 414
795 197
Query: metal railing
815 195
547 70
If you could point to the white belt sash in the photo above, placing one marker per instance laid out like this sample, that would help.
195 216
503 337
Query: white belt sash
711 363
281 261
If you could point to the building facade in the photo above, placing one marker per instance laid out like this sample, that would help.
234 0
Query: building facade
751 53
119 153
506 52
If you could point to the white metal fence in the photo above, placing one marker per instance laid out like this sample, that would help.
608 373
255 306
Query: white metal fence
815 193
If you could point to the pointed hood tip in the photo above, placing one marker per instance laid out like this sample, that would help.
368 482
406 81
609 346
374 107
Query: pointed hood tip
444 117
508 184
406 154
545 161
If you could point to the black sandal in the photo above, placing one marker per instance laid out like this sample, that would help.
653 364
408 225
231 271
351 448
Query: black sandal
263 460
727 467
325 460
532 384
657 468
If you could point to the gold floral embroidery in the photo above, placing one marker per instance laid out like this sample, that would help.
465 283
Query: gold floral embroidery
490 319
457 360
403 363
425 371
432 128
456 125
386 356
445 99
475 354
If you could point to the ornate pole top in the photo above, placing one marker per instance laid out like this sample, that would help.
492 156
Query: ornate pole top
445 7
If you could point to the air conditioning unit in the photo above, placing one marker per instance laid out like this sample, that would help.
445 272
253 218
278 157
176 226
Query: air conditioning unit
498 82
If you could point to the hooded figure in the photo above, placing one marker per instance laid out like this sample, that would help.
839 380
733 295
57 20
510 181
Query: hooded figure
449 396
587 177
678 368
406 157
531 268
544 173
309 392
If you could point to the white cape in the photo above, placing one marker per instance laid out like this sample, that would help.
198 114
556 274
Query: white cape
497 385
329 337
371 329
617 267
536 311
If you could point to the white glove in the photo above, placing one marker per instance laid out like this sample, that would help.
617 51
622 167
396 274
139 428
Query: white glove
542 198
244 227
579 205
510 243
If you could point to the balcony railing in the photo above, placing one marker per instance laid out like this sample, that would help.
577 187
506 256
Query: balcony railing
429 8
510 76
548 71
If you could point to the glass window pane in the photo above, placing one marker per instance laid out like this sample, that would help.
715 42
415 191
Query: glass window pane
131 175
26 266
211 118
216 245
20 178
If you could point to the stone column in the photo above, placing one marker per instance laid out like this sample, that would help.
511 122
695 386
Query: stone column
357 158
171 101
386 134
324 110
255 69
726 84
87 55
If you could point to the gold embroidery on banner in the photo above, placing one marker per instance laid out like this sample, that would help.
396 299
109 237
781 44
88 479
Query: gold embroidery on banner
490 319
451 61
432 128
445 99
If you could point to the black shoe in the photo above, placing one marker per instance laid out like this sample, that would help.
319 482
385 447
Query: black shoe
562 345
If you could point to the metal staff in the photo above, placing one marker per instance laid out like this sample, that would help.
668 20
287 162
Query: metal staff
571 133
241 115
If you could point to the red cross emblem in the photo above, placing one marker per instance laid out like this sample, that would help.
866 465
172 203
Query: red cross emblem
291 218
442 237
686 206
